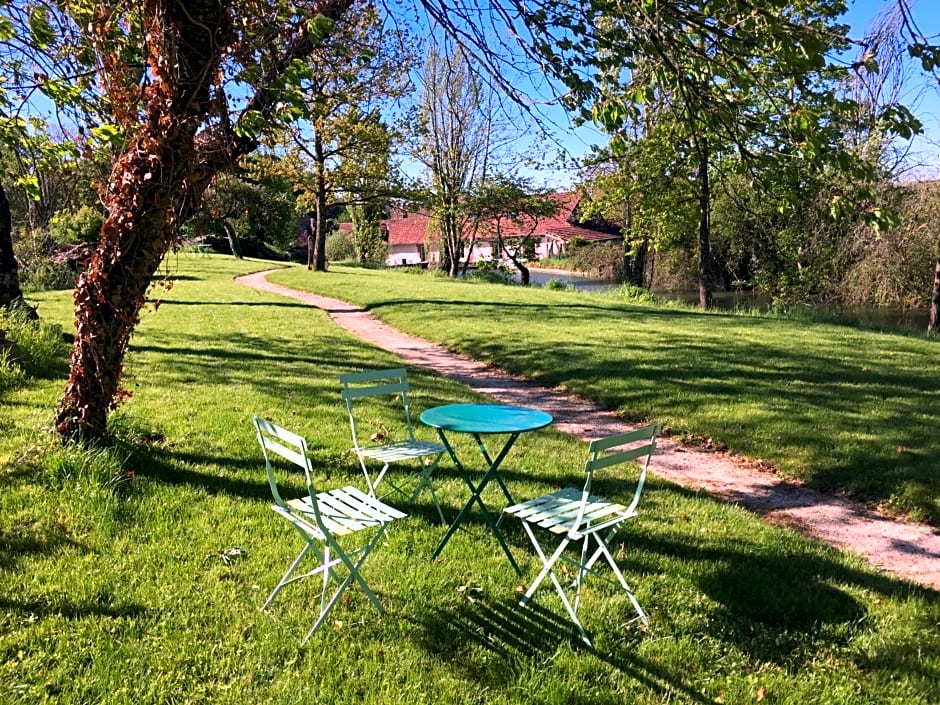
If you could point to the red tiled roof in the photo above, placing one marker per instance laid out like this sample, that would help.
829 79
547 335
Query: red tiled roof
407 229
567 232
412 228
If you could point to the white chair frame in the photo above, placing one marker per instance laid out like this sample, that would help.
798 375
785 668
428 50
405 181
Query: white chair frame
577 516
391 382
321 518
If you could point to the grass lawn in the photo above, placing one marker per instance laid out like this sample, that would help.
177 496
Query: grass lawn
118 583
842 409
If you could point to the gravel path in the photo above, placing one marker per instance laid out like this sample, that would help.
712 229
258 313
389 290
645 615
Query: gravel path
910 551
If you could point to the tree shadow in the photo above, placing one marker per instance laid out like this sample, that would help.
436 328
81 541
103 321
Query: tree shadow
101 605
468 636
172 303
33 539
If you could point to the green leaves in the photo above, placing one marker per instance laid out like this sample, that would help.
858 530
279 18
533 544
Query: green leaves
320 27
929 55
251 124
109 135
7 30
898 119
30 184
40 28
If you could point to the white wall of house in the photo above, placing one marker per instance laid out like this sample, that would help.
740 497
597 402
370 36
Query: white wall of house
403 255
399 255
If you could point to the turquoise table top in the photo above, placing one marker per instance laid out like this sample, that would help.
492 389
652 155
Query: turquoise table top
485 418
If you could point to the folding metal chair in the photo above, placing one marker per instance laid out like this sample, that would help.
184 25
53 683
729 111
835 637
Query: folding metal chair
321 518
576 516
358 386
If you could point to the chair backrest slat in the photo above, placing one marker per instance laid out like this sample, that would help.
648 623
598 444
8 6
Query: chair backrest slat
605 461
374 390
620 439
293 448
376 383
643 446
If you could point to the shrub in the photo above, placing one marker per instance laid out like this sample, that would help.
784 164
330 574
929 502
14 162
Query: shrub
600 259
46 275
40 350
11 374
340 247
634 294
492 272
81 226
559 285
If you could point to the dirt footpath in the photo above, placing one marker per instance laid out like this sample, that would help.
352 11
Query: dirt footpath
910 551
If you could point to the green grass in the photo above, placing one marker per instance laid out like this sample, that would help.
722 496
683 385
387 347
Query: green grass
117 584
843 409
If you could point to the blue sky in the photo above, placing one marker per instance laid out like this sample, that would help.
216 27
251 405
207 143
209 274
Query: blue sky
923 95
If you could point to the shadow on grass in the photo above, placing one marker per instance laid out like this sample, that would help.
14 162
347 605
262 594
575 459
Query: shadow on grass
100 606
831 412
33 540
175 468
469 634
782 602
262 304
176 277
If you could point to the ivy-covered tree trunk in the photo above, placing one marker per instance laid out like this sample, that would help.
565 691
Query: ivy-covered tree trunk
147 190
9 272
158 183
933 325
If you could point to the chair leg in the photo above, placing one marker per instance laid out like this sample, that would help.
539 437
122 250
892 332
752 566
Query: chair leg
585 566
286 579
425 481
548 564
369 482
602 548
572 611
352 568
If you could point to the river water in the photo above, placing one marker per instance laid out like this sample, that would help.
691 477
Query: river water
889 319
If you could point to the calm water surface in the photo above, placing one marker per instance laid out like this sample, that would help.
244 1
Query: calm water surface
890 319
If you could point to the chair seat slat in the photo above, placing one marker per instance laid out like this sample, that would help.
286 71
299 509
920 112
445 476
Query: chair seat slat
353 508
405 450
334 522
336 511
380 508
298 520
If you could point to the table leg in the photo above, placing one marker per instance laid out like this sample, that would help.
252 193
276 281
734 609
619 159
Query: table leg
491 473
495 464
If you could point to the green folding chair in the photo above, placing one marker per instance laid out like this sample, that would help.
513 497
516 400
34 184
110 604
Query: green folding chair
322 518
357 387
577 517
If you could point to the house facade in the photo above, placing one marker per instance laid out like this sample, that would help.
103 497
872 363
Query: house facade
413 239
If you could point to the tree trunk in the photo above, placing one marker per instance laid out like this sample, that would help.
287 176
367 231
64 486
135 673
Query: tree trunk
136 234
318 261
517 261
934 325
704 226
232 239
9 272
